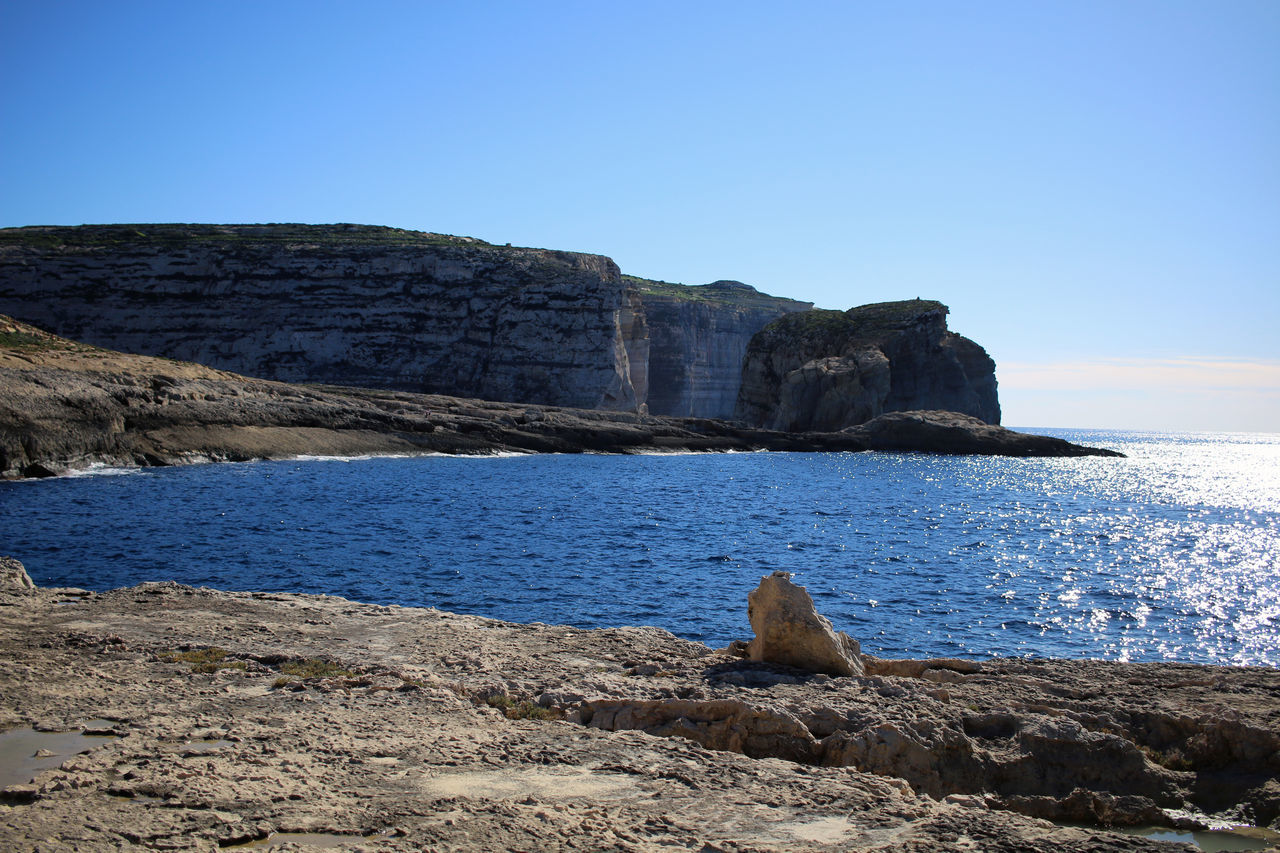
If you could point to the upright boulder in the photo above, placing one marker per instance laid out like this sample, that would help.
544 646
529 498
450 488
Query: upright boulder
789 630
13 576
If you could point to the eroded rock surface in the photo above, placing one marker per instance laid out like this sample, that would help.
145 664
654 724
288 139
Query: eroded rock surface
13 575
952 432
790 631
237 715
343 305
828 370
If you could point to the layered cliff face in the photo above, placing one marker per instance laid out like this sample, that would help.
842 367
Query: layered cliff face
828 370
412 311
698 338
351 305
388 308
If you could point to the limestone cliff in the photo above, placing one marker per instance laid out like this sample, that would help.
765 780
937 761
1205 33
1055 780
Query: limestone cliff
413 311
343 304
389 308
698 337
828 370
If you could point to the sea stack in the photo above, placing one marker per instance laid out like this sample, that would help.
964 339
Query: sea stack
828 370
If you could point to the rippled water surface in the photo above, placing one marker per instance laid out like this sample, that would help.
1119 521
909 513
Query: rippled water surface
1171 553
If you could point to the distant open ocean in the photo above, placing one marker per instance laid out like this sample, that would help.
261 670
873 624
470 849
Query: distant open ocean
1170 554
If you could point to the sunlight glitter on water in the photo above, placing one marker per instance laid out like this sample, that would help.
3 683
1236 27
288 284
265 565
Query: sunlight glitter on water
1168 554
1201 558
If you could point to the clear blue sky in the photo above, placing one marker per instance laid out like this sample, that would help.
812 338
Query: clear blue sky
1093 187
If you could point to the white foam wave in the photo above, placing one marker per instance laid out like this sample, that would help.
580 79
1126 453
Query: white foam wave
101 469
306 457
498 454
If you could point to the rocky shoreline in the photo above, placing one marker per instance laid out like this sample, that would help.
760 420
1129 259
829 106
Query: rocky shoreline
65 405
236 717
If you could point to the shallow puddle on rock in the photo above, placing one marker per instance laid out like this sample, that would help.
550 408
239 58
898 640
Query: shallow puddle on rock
310 839
23 751
201 747
1209 840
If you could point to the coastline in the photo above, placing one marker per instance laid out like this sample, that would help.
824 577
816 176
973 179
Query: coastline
432 730
65 405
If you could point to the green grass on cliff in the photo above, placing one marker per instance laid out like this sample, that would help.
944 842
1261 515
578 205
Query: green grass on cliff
19 337
717 293
250 239
864 323
893 315
256 243
171 236
24 342
663 288
20 341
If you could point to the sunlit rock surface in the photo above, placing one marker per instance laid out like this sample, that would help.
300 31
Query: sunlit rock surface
828 370
13 575
394 309
341 304
698 338
790 631
234 716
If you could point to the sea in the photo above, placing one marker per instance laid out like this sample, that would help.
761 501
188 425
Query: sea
1172 553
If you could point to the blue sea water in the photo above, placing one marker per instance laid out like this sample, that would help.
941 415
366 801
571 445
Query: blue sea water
1170 554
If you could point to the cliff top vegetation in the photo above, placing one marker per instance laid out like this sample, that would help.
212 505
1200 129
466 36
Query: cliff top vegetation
717 292
19 337
177 234
253 242
863 324
151 237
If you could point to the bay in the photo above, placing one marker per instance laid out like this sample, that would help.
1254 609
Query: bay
1169 554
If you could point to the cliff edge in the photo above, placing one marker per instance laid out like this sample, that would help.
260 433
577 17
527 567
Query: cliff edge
698 337
389 308
341 304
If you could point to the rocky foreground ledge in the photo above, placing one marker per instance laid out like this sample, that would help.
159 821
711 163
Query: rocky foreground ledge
238 716
65 405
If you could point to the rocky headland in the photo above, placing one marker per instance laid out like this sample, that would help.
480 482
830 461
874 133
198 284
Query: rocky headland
66 405
827 370
386 308
215 719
